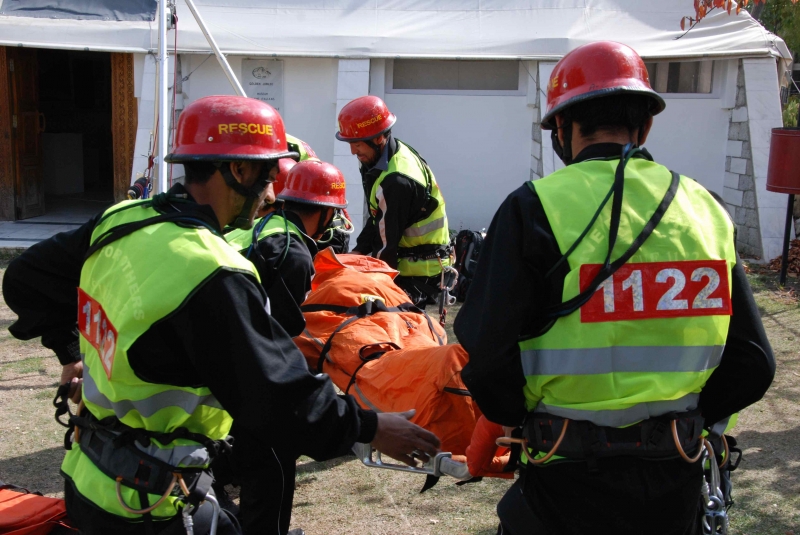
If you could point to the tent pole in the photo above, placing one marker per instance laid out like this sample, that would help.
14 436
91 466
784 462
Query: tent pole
163 97
237 87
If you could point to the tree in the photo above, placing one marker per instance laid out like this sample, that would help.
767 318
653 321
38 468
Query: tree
781 17
779 11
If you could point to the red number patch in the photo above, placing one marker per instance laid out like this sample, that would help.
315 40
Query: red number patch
658 290
97 329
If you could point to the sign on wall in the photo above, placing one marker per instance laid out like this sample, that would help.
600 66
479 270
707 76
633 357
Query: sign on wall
263 80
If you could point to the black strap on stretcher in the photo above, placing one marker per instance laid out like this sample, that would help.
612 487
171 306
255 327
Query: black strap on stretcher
357 312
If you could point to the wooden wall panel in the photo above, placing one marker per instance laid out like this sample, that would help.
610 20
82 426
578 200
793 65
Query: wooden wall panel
124 120
6 153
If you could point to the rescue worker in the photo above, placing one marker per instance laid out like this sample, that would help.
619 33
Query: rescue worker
175 338
283 255
282 248
407 225
609 307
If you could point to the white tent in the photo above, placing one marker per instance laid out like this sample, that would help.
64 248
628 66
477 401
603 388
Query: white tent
480 144
529 29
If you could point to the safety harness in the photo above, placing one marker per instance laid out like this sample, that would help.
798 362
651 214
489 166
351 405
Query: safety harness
116 450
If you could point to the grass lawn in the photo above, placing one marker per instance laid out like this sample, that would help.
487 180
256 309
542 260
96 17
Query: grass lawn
342 496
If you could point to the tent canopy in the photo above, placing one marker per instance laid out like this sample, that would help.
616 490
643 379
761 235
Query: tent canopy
528 29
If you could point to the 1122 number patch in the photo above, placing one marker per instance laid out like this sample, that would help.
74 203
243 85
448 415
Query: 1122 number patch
96 328
648 290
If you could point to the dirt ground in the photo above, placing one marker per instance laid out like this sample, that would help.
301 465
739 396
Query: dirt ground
342 496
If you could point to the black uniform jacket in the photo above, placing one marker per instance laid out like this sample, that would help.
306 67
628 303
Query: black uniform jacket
509 292
221 337
400 203
287 280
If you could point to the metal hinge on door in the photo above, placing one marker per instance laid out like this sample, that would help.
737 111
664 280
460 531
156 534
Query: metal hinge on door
13 121
11 65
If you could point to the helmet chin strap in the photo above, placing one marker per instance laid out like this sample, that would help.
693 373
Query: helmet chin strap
243 220
322 224
563 152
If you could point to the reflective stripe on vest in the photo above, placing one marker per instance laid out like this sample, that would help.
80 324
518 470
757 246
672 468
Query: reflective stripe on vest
646 345
432 230
125 288
242 239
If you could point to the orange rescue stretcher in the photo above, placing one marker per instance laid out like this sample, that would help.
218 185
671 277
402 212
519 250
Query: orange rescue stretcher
362 331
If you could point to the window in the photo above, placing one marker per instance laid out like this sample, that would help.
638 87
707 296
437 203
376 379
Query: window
681 77
454 76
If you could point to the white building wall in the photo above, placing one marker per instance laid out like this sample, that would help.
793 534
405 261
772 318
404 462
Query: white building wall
352 81
477 146
764 114
309 103
690 137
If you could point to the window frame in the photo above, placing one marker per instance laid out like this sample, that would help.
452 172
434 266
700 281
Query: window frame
718 78
521 91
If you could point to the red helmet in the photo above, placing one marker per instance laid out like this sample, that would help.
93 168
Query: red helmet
364 118
229 128
597 70
284 166
315 182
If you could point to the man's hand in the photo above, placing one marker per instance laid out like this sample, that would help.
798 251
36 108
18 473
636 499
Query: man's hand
400 439
73 374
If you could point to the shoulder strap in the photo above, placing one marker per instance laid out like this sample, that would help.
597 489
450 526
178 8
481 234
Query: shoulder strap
120 231
608 269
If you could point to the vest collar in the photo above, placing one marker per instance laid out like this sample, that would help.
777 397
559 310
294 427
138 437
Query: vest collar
605 151
179 189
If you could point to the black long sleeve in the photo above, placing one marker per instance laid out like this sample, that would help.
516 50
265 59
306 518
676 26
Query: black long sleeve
748 364
509 291
504 301
287 279
41 287
221 337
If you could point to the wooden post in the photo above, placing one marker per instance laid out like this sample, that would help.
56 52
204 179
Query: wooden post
6 153
124 120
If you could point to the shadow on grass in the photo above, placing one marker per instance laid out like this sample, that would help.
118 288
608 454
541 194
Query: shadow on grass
51 387
314 466
772 450
38 471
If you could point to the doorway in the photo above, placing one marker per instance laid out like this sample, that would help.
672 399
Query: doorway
66 134
77 153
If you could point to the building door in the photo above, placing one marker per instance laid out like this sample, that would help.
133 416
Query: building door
27 125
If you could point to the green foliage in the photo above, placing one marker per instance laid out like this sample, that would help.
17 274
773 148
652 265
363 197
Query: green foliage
782 17
790 111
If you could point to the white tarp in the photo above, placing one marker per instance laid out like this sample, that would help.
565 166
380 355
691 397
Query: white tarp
532 29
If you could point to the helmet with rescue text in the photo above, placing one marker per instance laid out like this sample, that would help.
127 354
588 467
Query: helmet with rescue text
364 119
221 129
315 183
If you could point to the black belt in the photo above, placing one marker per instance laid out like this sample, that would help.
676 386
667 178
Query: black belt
585 441
424 252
